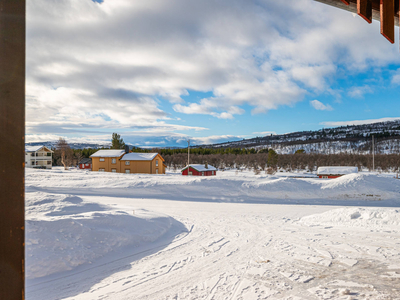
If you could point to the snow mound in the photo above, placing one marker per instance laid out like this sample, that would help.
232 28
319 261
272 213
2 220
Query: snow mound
63 232
368 218
226 186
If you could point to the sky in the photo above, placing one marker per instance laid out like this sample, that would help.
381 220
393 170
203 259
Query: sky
161 72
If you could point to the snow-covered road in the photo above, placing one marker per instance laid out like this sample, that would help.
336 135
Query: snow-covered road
243 251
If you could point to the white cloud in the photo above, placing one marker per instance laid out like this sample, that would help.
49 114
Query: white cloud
396 77
99 66
359 91
214 139
358 122
264 133
208 107
320 106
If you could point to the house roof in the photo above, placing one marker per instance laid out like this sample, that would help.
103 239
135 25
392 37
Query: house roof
139 156
108 153
35 148
336 170
201 168
85 161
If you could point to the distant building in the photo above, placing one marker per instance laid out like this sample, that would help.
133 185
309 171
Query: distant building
39 157
123 161
85 164
335 172
107 160
199 170
148 163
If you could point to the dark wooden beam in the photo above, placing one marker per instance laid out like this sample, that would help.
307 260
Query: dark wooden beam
387 19
352 7
12 148
364 10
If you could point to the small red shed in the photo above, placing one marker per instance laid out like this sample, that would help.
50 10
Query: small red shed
199 170
85 164
335 172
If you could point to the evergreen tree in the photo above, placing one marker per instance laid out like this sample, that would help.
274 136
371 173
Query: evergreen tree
272 159
117 142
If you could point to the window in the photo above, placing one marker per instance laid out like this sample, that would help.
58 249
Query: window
114 170
113 160
190 173
156 171
101 159
202 173
49 162
127 171
156 162
127 163
101 170
33 162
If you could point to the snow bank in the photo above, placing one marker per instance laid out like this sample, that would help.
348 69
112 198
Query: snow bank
226 186
367 218
63 231
336 170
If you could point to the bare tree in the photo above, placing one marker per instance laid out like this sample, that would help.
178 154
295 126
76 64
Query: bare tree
65 153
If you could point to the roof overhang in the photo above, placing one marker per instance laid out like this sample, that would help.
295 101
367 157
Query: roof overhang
385 11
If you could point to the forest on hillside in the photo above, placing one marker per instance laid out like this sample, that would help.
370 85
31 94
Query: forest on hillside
258 160
268 162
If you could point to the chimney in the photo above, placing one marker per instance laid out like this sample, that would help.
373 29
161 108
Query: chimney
206 165
126 149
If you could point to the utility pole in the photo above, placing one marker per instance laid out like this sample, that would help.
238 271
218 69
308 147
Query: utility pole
373 154
188 155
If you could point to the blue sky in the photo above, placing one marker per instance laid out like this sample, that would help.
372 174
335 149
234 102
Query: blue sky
211 71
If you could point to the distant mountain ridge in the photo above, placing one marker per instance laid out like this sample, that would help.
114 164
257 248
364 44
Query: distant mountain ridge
344 139
52 144
350 139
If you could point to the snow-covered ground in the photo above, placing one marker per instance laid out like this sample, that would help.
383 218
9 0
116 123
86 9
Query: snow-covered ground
236 235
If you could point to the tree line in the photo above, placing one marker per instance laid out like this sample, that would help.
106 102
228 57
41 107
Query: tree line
241 158
271 162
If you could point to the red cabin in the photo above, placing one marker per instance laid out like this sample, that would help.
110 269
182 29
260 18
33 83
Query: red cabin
199 170
85 164
335 172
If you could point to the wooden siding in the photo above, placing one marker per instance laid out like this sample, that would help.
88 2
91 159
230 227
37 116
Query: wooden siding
134 167
107 164
144 166
197 173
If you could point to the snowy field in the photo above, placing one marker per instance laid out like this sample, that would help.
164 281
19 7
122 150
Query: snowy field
236 235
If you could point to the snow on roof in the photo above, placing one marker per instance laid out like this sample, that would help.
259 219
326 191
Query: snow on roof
201 168
35 148
85 161
336 170
139 156
108 153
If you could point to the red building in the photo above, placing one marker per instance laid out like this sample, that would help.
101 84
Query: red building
335 172
85 163
199 170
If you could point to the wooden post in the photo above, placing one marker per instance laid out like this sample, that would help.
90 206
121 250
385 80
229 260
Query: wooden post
346 2
12 148
364 9
387 19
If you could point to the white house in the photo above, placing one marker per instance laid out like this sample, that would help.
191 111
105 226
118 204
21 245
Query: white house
39 157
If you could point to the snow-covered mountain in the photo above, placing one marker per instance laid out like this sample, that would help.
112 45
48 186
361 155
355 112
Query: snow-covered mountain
52 144
345 139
